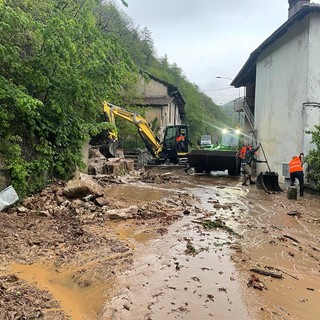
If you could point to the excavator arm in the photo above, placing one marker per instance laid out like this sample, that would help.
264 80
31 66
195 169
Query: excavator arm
151 141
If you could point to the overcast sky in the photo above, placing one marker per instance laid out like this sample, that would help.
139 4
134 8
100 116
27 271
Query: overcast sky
209 38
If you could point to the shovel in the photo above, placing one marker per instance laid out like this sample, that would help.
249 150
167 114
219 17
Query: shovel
268 180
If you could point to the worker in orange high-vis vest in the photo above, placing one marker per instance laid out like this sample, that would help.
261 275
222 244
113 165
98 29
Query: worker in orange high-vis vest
243 151
296 171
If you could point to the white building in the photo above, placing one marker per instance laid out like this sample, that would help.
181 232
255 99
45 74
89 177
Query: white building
282 81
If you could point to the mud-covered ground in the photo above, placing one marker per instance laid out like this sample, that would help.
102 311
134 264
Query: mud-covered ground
161 245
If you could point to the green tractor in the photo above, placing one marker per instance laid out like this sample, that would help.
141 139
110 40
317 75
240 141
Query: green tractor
219 157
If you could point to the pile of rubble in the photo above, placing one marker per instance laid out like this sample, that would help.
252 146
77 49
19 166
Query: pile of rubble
98 164
69 223
62 211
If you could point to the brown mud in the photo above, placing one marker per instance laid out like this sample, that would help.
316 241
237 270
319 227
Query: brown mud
68 260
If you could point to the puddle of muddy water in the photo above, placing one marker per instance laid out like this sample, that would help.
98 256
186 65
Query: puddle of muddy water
126 231
78 302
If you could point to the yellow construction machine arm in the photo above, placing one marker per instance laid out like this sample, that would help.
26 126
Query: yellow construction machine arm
151 141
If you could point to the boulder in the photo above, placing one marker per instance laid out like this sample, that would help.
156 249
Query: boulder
82 185
124 213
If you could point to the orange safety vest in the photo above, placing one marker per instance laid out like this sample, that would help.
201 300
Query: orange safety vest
295 165
243 152
180 138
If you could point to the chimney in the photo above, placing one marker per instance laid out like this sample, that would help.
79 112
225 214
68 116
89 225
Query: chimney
295 6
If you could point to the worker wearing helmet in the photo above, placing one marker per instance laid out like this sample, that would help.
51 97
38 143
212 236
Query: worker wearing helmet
296 171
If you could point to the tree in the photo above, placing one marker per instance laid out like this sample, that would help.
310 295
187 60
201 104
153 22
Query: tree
58 67
313 158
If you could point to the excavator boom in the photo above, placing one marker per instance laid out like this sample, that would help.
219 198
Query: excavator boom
171 150
151 141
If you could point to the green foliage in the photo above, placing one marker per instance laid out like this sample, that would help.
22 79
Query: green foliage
57 68
129 137
203 115
313 158
59 61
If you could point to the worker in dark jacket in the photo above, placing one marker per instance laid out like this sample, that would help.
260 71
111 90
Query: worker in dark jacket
296 171
246 165
244 150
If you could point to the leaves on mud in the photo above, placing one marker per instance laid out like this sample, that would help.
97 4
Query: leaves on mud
218 224
190 250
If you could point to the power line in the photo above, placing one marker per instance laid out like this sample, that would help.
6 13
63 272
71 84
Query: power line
219 89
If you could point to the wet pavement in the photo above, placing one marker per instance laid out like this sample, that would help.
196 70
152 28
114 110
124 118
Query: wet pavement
190 272
167 283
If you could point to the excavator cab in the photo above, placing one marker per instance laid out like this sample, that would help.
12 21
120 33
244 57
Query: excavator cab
176 137
175 143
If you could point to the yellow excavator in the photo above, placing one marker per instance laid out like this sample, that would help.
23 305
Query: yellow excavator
174 147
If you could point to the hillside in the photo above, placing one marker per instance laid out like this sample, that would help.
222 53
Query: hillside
59 61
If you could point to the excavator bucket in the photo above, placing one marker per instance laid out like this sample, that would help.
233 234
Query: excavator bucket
109 149
268 181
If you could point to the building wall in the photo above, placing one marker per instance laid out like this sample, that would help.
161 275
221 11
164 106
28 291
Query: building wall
153 113
311 107
152 88
167 114
281 91
313 81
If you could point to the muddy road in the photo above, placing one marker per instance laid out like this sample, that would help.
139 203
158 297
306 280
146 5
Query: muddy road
161 245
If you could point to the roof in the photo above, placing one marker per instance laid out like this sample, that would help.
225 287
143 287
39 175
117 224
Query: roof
173 92
158 101
248 72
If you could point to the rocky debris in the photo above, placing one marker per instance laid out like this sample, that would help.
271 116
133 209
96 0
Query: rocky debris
119 166
82 185
294 213
67 223
63 220
256 283
156 178
21 301
106 180
99 164
125 213
165 211
8 197
94 153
